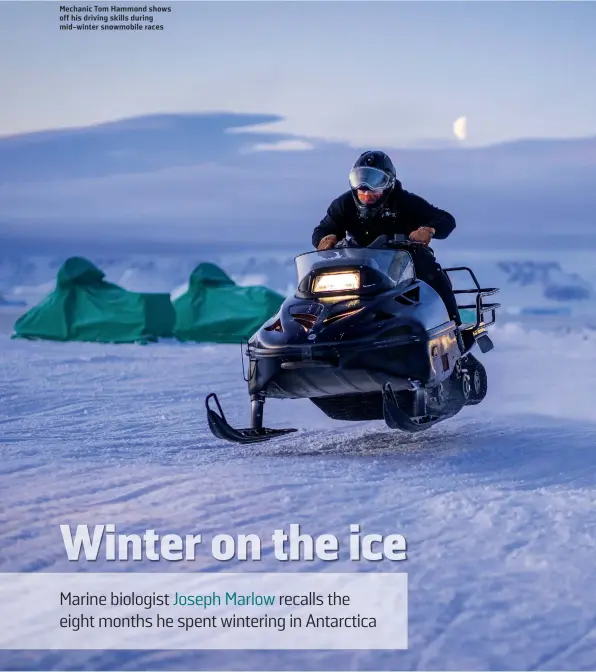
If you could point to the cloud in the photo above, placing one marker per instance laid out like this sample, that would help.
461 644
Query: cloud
190 179
282 146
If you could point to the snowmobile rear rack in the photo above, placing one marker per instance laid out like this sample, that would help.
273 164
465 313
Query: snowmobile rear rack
479 306
254 434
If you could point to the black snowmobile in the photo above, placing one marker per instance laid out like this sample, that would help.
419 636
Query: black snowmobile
364 339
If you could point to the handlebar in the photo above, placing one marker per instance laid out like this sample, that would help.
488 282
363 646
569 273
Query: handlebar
382 241
385 240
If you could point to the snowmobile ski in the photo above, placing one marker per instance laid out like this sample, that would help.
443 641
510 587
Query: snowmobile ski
223 430
396 418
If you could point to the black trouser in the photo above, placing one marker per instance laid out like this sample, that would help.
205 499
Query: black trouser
428 270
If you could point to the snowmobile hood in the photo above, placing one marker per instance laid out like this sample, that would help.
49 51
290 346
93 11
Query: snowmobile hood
210 275
79 271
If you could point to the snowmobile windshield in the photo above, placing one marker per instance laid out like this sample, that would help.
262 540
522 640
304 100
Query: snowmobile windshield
395 264
369 178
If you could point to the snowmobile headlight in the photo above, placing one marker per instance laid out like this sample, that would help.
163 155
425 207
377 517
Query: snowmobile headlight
337 282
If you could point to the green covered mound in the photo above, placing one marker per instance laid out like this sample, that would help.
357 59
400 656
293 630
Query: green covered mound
216 310
85 307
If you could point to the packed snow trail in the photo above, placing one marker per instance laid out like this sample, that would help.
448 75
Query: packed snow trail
497 504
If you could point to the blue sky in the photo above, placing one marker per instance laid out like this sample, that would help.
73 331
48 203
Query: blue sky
366 73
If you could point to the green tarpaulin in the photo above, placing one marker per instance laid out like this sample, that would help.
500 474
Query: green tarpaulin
467 315
85 307
216 310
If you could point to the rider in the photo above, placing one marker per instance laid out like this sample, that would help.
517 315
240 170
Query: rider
377 204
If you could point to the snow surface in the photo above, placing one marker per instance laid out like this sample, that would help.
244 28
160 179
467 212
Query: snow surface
497 504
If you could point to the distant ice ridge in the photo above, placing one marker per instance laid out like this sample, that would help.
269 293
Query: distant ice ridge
29 279
528 287
557 284
11 302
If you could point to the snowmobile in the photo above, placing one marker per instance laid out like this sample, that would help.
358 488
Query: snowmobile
364 339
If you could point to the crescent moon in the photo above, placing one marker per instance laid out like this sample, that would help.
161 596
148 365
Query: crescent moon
460 128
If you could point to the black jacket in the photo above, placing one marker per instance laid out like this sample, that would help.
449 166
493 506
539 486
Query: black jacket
404 213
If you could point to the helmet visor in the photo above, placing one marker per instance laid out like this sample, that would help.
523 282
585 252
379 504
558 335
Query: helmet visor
369 178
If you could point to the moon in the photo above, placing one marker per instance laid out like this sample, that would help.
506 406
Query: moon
460 128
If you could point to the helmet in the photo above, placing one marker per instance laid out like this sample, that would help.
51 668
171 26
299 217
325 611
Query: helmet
372 180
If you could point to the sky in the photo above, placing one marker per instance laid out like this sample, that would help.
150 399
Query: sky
363 73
